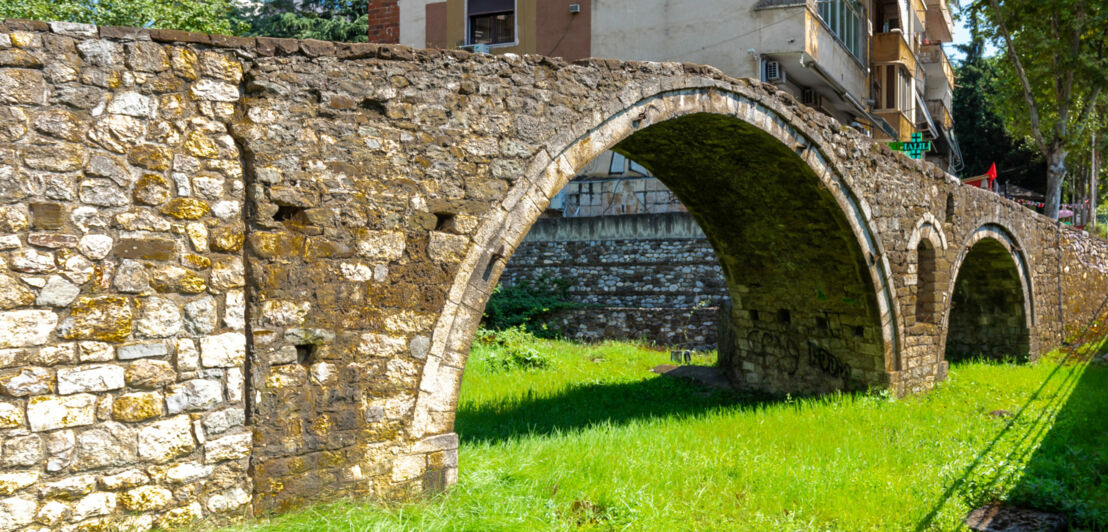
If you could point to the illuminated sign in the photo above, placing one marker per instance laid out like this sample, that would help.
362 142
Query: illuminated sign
914 148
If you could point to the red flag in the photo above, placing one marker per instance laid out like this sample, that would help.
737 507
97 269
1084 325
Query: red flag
992 174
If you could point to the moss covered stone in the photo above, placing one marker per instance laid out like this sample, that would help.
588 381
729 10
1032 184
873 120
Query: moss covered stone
137 406
106 318
186 208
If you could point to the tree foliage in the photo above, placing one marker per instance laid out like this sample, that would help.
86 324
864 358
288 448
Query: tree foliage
980 128
326 20
207 16
1055 70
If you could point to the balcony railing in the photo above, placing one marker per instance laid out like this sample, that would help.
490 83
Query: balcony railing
933 54
891 47
940 25
900 122
940 113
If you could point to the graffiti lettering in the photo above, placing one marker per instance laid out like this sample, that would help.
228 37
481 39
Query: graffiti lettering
828 363
784 351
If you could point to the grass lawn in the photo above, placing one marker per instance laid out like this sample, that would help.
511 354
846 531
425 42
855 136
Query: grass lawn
596 441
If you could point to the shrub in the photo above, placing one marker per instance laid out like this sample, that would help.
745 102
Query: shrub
512 348
525 304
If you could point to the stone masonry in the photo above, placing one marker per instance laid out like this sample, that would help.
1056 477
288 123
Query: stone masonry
242 275
652 277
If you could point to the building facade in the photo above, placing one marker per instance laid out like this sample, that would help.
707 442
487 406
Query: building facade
875 65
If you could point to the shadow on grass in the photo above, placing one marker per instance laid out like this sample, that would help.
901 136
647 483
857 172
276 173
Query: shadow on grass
1053 458
1068 473
586 405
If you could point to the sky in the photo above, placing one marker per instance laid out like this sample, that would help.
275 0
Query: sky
962 36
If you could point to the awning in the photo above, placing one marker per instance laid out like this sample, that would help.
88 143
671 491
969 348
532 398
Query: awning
484 7
927 115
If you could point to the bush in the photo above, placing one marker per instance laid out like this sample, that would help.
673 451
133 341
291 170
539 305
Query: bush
525 304
511 348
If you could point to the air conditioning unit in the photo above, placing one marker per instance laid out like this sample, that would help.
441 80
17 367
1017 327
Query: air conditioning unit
575 8
774 72
476 48
811 98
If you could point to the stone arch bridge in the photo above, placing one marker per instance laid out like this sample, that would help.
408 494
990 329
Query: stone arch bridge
246 272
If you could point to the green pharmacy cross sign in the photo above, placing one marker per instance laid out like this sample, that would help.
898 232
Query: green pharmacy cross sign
915 148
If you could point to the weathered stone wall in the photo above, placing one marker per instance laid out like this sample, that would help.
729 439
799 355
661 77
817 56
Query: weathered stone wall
686 328
121 287
380 191
635 277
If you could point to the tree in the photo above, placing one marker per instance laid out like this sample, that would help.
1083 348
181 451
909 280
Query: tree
326 20
207 16
1057 64
980 129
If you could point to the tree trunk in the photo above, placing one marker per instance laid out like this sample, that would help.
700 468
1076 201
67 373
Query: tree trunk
1055 176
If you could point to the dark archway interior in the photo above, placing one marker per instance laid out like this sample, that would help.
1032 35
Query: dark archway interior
925 283
987 316
804 316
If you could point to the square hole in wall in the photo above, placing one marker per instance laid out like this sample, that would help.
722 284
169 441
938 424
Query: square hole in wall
822 324
754 315
305 354
783 317
291 213
859 331
444 221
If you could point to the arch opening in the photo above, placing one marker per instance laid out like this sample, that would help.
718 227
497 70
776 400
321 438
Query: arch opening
926 293
804 317
988 315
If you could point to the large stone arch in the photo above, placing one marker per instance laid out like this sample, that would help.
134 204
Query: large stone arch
550 170
992 249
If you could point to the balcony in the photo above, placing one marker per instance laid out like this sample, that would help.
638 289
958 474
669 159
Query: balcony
892 48
900 122
940 25
939 83
936 64
940 113
920 8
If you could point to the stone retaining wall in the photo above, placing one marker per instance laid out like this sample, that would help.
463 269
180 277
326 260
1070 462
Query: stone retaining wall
649 277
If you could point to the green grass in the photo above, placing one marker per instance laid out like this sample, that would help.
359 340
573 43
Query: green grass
596 441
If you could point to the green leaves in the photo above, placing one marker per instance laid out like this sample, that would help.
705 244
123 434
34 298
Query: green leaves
326 20
206 16
1054 71
526 303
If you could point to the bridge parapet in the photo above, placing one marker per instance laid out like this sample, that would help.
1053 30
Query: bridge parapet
246 272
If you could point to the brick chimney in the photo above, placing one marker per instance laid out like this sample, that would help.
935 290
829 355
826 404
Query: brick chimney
384 21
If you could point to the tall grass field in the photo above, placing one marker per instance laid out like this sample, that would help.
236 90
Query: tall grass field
563 436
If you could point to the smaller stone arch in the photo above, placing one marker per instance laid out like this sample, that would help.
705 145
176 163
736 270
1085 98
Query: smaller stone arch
991 308
926 269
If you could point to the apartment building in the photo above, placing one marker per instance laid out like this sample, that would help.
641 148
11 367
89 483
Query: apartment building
875 65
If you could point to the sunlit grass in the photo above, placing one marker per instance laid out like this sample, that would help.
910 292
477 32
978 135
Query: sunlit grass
596 441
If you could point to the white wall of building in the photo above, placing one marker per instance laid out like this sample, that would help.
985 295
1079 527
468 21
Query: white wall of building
700 31
413 22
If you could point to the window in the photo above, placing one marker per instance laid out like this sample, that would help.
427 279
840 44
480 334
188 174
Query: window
491 21
845 19
895 89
